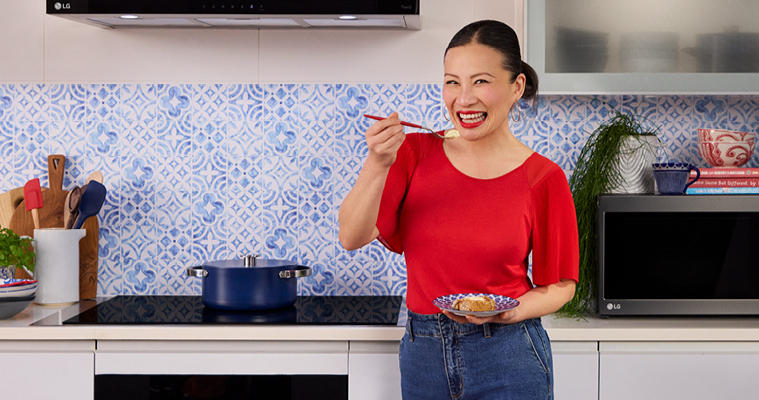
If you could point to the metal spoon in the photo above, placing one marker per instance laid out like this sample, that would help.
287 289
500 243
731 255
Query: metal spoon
449 134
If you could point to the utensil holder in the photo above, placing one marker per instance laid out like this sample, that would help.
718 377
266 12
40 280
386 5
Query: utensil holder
57 265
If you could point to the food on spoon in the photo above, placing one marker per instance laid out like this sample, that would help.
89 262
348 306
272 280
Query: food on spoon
474 303
451 134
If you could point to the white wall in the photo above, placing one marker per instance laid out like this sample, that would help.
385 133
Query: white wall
38 48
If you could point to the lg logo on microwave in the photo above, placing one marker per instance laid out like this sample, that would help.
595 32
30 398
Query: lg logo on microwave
62 6
612 306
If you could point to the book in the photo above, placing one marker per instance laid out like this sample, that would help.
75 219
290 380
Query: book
726 182
722 190
731 172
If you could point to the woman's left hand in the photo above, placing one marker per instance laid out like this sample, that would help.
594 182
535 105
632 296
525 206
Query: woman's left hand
505 317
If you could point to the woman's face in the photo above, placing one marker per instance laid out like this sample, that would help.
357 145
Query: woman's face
478 91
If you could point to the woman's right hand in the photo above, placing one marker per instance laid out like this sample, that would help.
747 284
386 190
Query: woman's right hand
384 138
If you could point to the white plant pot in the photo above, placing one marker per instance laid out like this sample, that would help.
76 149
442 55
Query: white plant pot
636 155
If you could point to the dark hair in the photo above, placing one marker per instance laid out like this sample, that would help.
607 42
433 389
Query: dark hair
503 39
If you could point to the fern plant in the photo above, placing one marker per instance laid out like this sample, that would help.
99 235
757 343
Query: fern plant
596 172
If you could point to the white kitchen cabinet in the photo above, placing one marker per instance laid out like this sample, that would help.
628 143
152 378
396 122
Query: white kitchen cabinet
643 46
575 370
374 372
40 370
678 370
144 357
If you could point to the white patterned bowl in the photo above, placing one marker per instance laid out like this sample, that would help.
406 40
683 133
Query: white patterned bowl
726 153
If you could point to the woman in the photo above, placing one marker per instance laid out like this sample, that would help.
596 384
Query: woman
467 213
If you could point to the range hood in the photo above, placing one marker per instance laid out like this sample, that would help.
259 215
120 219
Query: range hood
243 14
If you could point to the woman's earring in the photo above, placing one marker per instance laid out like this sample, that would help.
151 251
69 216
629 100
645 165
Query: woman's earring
519 113
445 116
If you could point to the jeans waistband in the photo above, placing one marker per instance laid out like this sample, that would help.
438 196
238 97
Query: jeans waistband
439 325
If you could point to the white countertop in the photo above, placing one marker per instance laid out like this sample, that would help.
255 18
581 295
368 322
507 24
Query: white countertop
45 323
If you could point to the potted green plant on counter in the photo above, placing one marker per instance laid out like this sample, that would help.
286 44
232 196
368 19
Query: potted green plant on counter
16 251
616 159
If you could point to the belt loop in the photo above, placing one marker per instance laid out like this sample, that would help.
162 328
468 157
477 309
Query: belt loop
410 329
486 330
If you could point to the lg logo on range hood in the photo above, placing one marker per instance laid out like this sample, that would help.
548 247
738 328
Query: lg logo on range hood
251 14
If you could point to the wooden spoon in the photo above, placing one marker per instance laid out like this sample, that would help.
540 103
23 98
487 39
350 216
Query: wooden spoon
95 176
71 207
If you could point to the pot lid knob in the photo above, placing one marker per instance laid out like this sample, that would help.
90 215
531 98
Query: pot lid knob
249 260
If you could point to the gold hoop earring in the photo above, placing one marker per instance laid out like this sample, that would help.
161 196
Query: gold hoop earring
445 117
519 113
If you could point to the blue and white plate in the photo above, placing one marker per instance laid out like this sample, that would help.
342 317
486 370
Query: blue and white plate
23 290
502 303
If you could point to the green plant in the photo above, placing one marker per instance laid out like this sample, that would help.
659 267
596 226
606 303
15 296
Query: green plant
15 250
596 172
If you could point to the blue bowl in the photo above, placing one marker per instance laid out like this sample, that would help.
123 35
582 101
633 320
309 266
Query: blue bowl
12 306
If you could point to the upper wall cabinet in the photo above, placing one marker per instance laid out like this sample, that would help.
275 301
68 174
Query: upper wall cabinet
644 46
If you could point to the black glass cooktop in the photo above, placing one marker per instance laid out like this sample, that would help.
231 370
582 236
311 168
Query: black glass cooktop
307 310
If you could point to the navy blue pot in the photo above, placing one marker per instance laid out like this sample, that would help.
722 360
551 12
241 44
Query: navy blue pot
249 283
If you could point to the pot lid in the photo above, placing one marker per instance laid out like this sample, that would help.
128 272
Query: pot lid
247 261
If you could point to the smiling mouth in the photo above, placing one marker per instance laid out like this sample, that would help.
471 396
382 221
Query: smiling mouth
469 120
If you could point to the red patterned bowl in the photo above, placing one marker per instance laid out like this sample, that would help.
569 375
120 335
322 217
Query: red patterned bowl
723 153
723 135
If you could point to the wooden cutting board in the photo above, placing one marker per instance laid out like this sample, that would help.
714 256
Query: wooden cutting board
51 213
51 216
88 259
8 203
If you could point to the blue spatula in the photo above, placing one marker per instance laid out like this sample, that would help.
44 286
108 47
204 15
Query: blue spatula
91 202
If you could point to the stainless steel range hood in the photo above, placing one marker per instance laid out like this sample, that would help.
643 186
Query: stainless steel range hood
253 14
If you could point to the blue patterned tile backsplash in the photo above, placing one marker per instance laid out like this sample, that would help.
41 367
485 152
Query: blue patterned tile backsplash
211 171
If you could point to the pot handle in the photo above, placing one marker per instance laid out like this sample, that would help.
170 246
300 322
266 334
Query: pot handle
295 273
197 271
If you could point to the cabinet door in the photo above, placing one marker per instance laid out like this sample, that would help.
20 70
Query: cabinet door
374 371
682 370
145 357
575 370
643 46
42 370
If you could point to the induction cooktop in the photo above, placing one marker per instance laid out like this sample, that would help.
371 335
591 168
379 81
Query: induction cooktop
307 310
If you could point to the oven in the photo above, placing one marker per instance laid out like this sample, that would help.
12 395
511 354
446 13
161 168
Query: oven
228 367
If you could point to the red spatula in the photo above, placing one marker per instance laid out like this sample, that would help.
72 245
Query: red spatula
33 199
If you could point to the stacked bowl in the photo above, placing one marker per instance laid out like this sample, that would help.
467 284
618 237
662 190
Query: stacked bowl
15 296
726 52
722 148
649 51
580 50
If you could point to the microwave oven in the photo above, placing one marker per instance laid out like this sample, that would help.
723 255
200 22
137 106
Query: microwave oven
678 255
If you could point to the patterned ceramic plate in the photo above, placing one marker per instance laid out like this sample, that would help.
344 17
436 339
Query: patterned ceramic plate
502 303
15 282
22 290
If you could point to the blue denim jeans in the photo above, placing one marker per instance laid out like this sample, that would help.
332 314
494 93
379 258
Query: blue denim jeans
443 359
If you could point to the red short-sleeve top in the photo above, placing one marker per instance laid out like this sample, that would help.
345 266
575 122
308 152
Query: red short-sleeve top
466 235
